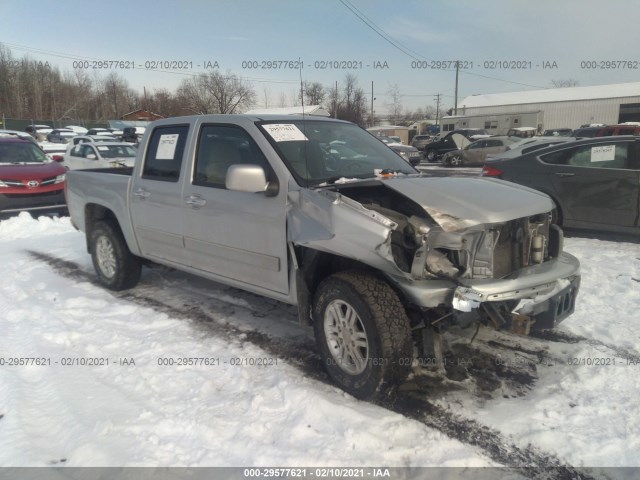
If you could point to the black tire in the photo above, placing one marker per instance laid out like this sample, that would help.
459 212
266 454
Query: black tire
386 359
117 268
430 155
556 214
455 160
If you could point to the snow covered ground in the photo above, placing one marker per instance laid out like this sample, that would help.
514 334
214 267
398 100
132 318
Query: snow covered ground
255 396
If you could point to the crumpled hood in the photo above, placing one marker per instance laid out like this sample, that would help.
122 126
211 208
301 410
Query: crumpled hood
456 202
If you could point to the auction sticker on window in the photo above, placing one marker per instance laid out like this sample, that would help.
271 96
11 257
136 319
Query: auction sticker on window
284 132
103 149
603 154
167 146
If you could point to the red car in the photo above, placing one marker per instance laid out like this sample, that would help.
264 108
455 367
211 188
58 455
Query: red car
29 180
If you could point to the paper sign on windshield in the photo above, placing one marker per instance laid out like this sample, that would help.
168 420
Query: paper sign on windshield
603 154
284 132
103 149
167 146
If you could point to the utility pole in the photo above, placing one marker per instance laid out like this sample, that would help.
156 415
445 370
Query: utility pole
438 107
335 109
455 105
372 99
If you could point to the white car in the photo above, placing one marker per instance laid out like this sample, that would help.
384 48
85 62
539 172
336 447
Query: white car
77 129
55 151
100 155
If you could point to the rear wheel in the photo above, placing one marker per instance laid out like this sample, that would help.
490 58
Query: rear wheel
117 268
363 334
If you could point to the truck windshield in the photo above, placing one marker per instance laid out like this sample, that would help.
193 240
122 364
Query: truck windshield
319 152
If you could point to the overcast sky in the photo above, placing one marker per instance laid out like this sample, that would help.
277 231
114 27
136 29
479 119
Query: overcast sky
489 36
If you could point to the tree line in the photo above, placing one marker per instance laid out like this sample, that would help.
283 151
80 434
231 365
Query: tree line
31 89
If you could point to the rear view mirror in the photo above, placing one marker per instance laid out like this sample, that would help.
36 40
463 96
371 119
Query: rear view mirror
247 178
91 156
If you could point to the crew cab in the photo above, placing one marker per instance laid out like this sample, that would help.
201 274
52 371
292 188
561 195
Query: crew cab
372 252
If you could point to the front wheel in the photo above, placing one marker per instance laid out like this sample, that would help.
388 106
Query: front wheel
431 156
117 268
455 160
363 334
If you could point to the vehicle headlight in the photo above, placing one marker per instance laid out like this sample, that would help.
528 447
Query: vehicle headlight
60 178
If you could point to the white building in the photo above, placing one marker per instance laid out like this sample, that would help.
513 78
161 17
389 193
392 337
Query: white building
307 110
548 109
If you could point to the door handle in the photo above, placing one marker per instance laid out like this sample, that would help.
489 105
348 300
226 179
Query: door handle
195 201
141 193
565 174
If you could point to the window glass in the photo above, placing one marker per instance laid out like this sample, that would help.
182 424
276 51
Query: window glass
319 152
164 154
221 146
596 156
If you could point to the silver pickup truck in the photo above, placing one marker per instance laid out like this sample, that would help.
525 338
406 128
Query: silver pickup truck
318 213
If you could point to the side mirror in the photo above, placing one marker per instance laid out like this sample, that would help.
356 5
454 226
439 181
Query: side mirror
248 178
57 158
91 156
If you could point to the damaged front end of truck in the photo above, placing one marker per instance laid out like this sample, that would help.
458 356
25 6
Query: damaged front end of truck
459 251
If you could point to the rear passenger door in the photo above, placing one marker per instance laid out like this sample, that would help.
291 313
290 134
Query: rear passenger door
597 183
156 197
240 236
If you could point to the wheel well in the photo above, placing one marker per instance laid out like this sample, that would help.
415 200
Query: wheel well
96 213
314 266
559 216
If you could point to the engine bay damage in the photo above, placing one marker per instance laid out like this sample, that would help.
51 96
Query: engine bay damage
450 270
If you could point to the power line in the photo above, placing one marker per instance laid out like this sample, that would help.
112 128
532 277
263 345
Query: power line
406 50
358 13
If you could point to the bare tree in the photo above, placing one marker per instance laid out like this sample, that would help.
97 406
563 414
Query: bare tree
266 97
314 93
214 92
394 105
352 105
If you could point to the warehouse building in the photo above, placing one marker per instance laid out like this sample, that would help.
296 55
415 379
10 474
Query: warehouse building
548 109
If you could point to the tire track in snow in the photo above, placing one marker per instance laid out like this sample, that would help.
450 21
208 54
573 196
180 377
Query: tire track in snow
530 462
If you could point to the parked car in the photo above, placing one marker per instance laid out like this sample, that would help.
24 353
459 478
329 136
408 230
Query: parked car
588 132
100 155
557 132
420 141
594 183
621 129
522 132
476 152
19 134
75 128
132 134
454 140
98 131
408 153
92 138
372 253
55 151
39 132
29 180
529 145
61 135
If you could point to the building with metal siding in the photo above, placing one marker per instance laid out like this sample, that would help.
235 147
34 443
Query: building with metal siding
548 109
